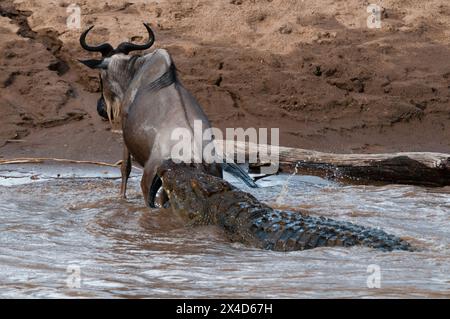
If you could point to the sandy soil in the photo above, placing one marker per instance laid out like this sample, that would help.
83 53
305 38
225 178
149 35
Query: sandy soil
311 68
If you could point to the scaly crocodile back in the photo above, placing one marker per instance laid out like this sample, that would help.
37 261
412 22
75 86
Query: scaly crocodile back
286 231
207 199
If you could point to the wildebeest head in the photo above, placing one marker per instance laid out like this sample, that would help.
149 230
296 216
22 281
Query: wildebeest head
115 71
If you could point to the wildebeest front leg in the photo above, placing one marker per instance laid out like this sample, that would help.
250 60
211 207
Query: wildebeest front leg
125 169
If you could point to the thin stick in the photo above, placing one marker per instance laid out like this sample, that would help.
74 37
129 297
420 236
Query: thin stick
46 159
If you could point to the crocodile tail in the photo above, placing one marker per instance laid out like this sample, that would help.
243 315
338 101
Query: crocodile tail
287 231
237 171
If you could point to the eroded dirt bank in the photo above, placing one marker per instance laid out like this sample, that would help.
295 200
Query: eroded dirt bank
311 68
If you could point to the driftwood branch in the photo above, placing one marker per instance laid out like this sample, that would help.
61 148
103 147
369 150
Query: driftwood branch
414 168
49 159
38 160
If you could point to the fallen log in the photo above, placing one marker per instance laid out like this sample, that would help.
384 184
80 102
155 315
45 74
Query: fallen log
413 168
206 199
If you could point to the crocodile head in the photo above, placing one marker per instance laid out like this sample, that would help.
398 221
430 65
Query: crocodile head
189 188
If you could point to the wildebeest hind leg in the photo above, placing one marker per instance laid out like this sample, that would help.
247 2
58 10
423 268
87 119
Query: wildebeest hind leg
125 169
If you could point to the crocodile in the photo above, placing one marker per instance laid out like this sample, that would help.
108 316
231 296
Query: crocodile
209 200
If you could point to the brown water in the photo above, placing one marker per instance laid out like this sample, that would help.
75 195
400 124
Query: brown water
50 226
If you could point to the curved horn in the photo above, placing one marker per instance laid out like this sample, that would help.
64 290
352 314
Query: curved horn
127 47
104 48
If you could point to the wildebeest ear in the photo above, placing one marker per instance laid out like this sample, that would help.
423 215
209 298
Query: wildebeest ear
95 64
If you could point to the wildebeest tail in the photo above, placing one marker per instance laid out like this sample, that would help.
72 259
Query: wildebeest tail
237 171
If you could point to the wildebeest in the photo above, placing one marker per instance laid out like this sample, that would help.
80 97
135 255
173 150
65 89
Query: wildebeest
145 93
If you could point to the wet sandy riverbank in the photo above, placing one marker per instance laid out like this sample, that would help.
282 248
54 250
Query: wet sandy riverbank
311 68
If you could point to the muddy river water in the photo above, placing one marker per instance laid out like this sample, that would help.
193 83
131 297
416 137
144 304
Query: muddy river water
65 233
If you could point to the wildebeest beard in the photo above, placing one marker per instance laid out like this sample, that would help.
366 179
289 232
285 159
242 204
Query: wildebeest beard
101 104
